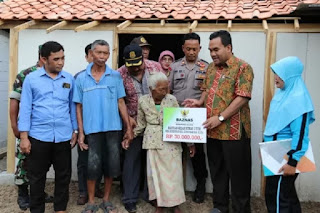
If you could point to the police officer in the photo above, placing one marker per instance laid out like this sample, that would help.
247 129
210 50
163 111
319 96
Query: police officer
186 78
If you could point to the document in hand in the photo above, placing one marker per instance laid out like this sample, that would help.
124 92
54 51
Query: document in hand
184 125
274 156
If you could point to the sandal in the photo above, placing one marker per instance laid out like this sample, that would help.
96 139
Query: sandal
107 206
90 207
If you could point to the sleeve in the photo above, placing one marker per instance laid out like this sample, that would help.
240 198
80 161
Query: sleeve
300 138
120 88
24 122
77 91
72 106
243 85
16 88
141 121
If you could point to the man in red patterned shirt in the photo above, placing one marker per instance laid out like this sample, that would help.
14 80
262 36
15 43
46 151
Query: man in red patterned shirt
226 92
135 74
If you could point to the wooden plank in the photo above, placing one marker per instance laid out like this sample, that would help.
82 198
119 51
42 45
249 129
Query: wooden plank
57 26
1 22
25 25
269 87
229 25
162 22
193 26
124 24
115 50
13 70
86 26
265 26
296 24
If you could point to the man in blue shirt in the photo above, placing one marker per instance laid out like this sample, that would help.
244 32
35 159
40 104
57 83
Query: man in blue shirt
99 94
82 163
48 126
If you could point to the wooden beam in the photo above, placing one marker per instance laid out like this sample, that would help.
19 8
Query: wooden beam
283 18
265 26
269 87
124 24
25 25
1 22
115 50
162 22
87 26
296 24
13 70
229 25
193 26
57 26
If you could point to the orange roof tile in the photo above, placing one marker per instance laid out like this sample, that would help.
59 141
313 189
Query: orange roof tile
145 9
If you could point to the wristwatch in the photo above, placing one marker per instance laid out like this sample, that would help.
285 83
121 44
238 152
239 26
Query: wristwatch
221 118
75 131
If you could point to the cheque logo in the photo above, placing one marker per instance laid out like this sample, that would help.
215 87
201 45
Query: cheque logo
184 114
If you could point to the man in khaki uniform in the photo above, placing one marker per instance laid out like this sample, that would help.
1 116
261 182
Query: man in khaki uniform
186 79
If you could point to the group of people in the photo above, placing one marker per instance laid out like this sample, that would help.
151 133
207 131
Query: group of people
116 118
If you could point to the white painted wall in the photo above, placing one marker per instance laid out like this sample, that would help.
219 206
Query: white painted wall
74 45
307 47
4 71
249 46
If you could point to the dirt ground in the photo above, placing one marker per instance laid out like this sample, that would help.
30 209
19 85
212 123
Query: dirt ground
8 204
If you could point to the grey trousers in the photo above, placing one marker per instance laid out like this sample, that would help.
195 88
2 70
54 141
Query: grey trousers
134 172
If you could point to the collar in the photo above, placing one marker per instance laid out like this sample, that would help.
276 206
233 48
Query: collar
106 72
231 61
42 72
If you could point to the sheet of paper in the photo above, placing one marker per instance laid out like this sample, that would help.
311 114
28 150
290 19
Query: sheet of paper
184 125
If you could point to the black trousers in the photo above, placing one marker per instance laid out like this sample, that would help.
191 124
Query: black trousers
281 195
230 161
134 172
199 163
42 155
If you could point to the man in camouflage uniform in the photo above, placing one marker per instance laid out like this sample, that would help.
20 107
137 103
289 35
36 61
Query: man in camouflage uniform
21 179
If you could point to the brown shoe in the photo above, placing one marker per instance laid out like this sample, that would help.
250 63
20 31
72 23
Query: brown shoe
82 200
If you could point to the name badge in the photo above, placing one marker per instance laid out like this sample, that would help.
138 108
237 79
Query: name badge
66 85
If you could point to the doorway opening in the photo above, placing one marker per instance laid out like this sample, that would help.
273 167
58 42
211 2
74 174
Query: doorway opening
159 43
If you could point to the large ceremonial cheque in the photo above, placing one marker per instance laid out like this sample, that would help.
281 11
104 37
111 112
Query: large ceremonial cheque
274 156
184 125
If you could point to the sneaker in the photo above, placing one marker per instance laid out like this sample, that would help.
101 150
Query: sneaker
23 197
130 207
82 200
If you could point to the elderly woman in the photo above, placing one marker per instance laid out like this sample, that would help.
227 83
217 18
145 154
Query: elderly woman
165 59
290 114
164 159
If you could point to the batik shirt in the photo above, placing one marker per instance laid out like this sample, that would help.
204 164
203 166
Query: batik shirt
17 85
132 87
223 84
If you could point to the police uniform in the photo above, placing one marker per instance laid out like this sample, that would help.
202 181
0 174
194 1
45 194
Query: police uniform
186 82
